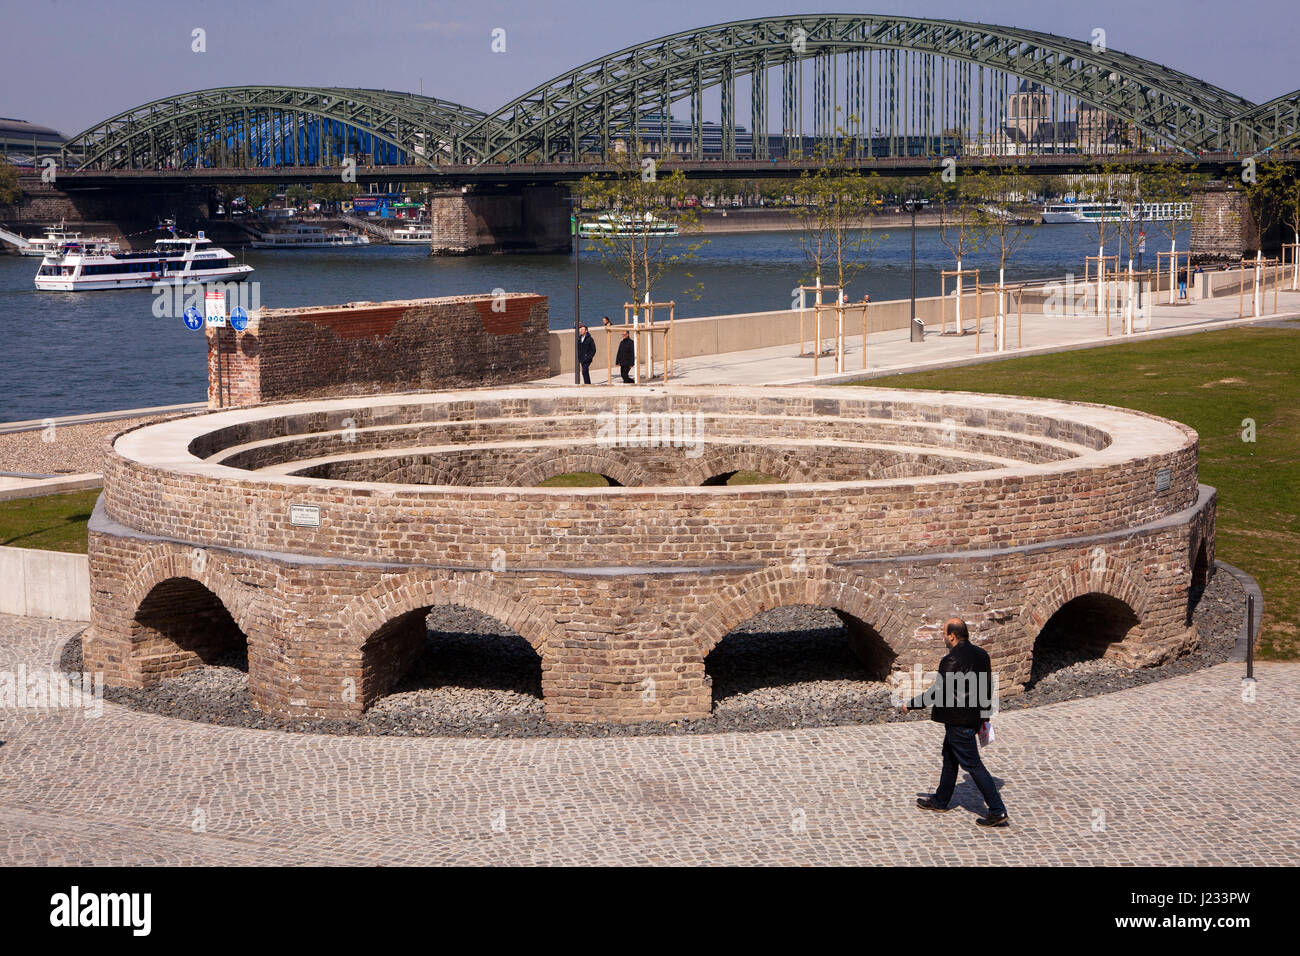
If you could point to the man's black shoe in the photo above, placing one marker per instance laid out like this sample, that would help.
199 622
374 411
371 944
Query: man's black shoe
994 820
929 803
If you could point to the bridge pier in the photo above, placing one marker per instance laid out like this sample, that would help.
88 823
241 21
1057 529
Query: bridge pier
1223 224
490 220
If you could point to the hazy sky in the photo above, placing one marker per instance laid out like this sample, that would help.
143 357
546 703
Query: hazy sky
71 63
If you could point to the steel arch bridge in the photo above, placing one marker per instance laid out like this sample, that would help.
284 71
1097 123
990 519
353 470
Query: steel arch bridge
877 85
249 126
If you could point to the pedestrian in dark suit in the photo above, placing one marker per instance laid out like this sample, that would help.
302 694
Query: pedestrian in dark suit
586 352
626 356
961 699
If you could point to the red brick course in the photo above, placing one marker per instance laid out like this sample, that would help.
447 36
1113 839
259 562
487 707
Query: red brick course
360 348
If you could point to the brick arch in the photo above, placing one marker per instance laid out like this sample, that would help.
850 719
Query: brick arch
1086 574
409 471
720 461
166 563
764 590
601 461
403 593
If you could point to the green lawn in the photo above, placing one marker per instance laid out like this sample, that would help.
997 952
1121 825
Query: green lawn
1212 381
51 522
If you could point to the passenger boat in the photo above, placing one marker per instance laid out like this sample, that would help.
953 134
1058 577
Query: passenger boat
412 235
57 236
1115 212
303 236
609 224
75 268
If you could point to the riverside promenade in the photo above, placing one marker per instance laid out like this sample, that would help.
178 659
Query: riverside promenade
893 353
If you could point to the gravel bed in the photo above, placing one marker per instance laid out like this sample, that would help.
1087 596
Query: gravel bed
73 450
790 667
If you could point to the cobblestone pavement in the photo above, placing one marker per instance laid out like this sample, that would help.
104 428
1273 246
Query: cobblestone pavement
1183 771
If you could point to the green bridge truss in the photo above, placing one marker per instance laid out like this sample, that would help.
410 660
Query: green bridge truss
880 85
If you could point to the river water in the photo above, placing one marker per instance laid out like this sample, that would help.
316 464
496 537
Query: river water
66 353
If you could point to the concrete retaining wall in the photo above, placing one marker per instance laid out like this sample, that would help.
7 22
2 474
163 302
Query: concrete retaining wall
713 335
50 584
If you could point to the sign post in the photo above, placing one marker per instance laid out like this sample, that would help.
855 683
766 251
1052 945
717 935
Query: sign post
214 308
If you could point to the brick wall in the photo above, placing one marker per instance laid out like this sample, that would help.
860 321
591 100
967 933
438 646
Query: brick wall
366 348
1224 226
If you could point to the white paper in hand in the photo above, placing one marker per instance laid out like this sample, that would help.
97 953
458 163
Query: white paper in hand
986 733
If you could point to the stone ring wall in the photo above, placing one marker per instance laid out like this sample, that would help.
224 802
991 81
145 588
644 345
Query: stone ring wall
326 530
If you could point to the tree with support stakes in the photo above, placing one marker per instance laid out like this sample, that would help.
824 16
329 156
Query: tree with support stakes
1126 190
1171 183
1101 189
646 198
1001 218
959 226
1275 198
835 220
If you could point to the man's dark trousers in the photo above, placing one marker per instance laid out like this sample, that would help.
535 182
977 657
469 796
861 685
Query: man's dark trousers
961 748
586 373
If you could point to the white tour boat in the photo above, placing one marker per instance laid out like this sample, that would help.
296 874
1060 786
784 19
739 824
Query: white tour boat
56 236
412 235
609 224
1116 212
74 268
302 236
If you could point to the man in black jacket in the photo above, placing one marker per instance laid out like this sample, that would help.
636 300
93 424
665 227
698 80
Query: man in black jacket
961 698
586 352
626 356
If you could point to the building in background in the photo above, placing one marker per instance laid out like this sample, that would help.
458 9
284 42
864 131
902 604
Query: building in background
23 143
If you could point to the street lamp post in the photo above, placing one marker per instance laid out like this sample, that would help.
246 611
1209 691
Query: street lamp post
917 331
575 205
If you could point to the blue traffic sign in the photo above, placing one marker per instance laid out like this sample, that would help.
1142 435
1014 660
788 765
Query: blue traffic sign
238 319
193 319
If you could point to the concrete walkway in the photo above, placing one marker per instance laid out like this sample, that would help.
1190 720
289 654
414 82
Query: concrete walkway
892 353
1180 772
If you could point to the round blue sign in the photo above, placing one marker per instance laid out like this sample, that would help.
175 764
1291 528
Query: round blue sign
238 319
193 320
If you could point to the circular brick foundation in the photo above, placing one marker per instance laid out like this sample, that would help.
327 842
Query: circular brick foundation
321 532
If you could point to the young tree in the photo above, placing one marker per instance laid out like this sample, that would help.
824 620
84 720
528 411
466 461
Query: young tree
1275 198
959 227
1100 188
1171 182
1001 221
1126 191
643 197
835 222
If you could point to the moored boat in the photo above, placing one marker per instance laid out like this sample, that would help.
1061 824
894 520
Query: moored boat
75 267
57 236
304 236
610 224
412 235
